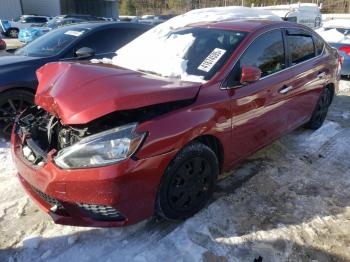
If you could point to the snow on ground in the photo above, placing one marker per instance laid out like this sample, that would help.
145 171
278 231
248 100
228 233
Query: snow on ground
288 202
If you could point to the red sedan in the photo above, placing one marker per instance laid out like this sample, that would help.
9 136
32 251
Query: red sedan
111 146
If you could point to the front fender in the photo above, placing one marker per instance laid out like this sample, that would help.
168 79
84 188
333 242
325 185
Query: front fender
208 115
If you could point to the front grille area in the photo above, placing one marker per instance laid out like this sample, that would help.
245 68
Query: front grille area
48 199
102 213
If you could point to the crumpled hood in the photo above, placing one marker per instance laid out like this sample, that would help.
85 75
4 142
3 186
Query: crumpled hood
78 93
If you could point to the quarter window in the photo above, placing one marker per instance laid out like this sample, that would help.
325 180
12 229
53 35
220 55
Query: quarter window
319 44
301 48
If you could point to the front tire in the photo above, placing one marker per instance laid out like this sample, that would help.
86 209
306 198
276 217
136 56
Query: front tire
321 110
187 183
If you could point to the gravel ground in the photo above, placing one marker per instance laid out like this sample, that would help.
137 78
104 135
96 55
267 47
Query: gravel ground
288 202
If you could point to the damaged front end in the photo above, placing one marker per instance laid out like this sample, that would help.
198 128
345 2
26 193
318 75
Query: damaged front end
76 146
41 133
101 142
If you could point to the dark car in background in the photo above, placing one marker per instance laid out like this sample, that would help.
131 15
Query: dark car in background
18 81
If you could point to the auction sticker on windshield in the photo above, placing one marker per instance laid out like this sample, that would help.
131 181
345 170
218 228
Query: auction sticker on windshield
74 33
211 60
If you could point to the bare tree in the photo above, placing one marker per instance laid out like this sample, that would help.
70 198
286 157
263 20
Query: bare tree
180 6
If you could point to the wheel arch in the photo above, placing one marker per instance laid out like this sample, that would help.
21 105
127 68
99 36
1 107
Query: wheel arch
19 88
214 144
331 87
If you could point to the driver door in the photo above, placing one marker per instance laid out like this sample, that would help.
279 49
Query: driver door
257 108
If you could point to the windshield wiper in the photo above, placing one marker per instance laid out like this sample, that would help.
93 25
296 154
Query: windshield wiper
149 72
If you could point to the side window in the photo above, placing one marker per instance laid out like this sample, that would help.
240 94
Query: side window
108 40
67 22
291 19
266 52
134 32
28 20
319 45
301 47
35 20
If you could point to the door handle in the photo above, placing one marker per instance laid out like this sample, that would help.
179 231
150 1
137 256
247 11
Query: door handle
321 75
285 89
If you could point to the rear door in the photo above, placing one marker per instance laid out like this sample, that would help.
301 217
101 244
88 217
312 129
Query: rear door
259 109
309 72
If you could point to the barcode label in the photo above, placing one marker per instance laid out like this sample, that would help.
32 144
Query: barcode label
211 60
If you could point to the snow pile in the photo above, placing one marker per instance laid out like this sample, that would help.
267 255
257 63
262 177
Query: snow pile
344 87
331 35
337 23
163 54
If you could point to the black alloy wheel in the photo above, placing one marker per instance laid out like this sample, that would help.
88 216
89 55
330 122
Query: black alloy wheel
12 103
320 113
188 182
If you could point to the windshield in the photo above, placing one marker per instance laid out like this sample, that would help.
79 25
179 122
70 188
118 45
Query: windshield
53 23
192 54
52 43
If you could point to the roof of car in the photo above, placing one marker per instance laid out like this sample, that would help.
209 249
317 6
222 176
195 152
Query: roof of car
247 25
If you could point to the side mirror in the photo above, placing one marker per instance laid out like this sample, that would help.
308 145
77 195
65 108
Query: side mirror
85 53
250 74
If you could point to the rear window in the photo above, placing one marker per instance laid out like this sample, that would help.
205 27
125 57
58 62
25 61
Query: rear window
301 47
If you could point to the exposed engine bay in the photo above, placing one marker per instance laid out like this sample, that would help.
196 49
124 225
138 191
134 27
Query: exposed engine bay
42 132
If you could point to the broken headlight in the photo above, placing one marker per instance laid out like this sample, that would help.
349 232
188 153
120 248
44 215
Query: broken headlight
101 149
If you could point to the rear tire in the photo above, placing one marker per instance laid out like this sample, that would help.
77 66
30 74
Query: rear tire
187 183
12 103
321 110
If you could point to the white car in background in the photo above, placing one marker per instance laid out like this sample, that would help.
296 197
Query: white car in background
11 28
304 13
